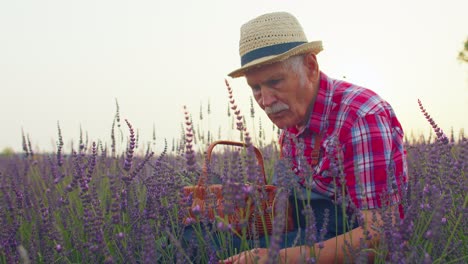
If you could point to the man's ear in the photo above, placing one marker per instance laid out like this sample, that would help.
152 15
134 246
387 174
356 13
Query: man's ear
313 71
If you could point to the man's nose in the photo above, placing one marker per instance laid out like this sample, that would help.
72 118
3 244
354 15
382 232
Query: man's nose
268 98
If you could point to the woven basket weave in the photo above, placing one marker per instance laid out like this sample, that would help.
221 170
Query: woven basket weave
207 200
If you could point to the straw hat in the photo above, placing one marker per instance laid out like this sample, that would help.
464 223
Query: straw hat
271 38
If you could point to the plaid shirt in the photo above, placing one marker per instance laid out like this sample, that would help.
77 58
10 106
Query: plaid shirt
358 134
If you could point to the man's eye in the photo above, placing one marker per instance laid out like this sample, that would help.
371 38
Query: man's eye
274 82
256 89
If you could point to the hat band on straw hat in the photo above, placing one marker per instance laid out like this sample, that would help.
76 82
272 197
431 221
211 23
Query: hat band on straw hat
268 51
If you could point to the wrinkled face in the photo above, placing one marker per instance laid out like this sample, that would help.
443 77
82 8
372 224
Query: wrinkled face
284 91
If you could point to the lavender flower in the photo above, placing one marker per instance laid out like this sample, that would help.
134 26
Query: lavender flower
24 144
278 226
149 254
130 149
232 101
31 152
440 134
189 137
252 109
113 144
311 230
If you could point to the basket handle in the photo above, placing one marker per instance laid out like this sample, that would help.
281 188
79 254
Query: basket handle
258 154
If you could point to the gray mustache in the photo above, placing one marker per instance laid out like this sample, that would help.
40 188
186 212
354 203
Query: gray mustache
276 108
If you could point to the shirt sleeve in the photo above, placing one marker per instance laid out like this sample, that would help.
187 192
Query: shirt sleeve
372 159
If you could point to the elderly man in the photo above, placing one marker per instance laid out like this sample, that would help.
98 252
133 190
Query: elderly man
323 120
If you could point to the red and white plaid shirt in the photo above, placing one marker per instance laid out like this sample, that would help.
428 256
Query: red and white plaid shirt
359 135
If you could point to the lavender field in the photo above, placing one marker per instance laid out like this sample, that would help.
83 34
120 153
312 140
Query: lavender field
96 204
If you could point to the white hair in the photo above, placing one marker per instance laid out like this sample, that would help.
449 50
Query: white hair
296 65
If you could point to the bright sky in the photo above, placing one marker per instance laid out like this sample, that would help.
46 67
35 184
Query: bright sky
68 61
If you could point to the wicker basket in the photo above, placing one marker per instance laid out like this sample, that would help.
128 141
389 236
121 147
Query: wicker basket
207 200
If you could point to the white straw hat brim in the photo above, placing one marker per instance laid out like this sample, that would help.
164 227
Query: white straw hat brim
314 47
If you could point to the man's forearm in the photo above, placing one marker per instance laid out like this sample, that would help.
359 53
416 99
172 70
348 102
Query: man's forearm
333 250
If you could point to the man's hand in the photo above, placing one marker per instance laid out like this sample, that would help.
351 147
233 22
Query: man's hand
256 255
